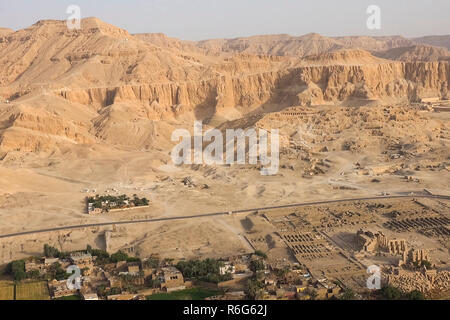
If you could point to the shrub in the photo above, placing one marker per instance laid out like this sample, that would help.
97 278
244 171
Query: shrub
17 270
51 252
415 295
391 293
205 270
254 289
256 265
119 256
348 294
261 254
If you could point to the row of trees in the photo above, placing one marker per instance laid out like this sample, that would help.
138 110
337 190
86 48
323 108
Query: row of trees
103 291
151 263
17 270
121 200
255 288
52 252
103 257
205 270
388 293
394 293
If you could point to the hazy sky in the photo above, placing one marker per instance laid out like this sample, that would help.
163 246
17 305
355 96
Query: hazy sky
204 19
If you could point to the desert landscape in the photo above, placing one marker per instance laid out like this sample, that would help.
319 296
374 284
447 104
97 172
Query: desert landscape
91 112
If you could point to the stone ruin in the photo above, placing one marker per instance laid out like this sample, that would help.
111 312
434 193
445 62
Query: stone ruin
371 242
415 256
426 281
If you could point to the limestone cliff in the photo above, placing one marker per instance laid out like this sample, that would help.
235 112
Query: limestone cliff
408 80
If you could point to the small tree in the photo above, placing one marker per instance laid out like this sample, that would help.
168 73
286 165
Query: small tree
20 275
391 293
311 293
254 289
348 294
416 295
119 256
256 265
281 273
133 259
101 290
261 254
57 272
17 270
33 274
151 263
51 252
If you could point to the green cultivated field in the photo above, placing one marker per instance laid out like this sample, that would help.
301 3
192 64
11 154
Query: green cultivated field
69 298
32 291
6 290
187 294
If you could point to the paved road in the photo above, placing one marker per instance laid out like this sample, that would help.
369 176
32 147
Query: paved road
214 214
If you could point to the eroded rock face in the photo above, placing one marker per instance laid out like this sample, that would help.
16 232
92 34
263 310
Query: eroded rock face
102 64
315 84
124 80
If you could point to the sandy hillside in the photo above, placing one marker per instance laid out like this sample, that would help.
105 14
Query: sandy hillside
438 41
92 111
416 53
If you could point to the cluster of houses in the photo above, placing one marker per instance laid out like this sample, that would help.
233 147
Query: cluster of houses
100 204
299 287
281 281
115 279
290 281
108 276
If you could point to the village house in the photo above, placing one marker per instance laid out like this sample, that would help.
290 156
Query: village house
109 267
270 279
59 289
271 289
133 269
172 279
324 293
326 290
114 282
89 296
123 296
49 261
93 210
35 265
82 260
241 263
302 286
227 268
286 293
121 266
241 268
148 271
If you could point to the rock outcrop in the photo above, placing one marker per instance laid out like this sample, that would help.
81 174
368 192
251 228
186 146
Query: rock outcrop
401 80
117 80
